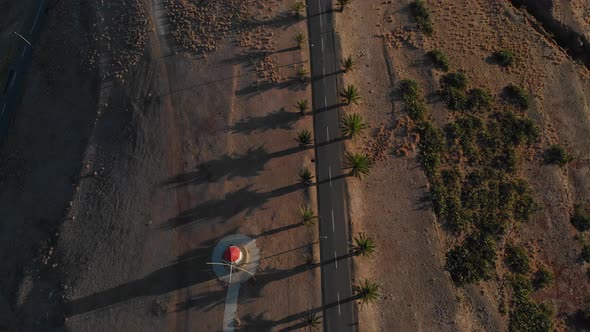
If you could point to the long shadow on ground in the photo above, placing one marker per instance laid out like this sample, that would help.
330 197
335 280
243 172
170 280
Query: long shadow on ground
188 270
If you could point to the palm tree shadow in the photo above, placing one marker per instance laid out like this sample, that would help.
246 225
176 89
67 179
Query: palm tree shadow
249 164
245 199
281 119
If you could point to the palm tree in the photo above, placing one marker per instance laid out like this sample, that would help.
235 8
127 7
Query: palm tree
367 291
302 74
359 163
313 319
347 64
343 3
304 138
297 8
299 39
305 175
302 105
307 215
353 125
351 95
364 245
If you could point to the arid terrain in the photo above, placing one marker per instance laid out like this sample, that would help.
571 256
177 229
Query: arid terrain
149 130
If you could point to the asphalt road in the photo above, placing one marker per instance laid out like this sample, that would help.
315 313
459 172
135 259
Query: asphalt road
9 90
337 294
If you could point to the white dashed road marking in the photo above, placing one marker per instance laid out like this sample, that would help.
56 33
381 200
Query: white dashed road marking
37 17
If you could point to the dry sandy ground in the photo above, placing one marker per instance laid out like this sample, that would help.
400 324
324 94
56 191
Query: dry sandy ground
148 167
417 293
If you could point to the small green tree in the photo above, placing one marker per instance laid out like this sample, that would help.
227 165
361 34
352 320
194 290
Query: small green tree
580 220
347 64
302 106
364 245
302 74
517 95
478 99
542 278
353 125
367 291
455 99
307 215
299 39
351 94
305 176
304 138
505 57
313 319
440 60
456 80
517 260
298 8
556 154
343 3
359 164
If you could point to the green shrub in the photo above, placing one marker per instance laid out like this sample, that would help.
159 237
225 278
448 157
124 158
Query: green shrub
505 57
514 130
438 195
556 154
440 59
456 80
408 90
585 254
517 96
431 146
455 220
542 278
455 99
472 261
517 259
527 315
422 17
416 110
479 98
580 219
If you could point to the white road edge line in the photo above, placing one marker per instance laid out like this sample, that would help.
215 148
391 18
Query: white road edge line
333 225
322 45
24 50
3 107
37 17
12 82
335 260
338 303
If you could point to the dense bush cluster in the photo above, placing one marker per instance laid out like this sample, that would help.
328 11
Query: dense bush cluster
527 315
517 260
472 261
422 17
478 99
431 146
505 57
580 219
517 96
542 278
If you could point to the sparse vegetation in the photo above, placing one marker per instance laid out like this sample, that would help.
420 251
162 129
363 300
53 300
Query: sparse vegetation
353 125
347 64
299 39
505 57
364 245
359 164
305 176
517 260
585 254
408 91
422 17
580 220
517 96
439 59
556 154
367 291
304 138
302 106
351 94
